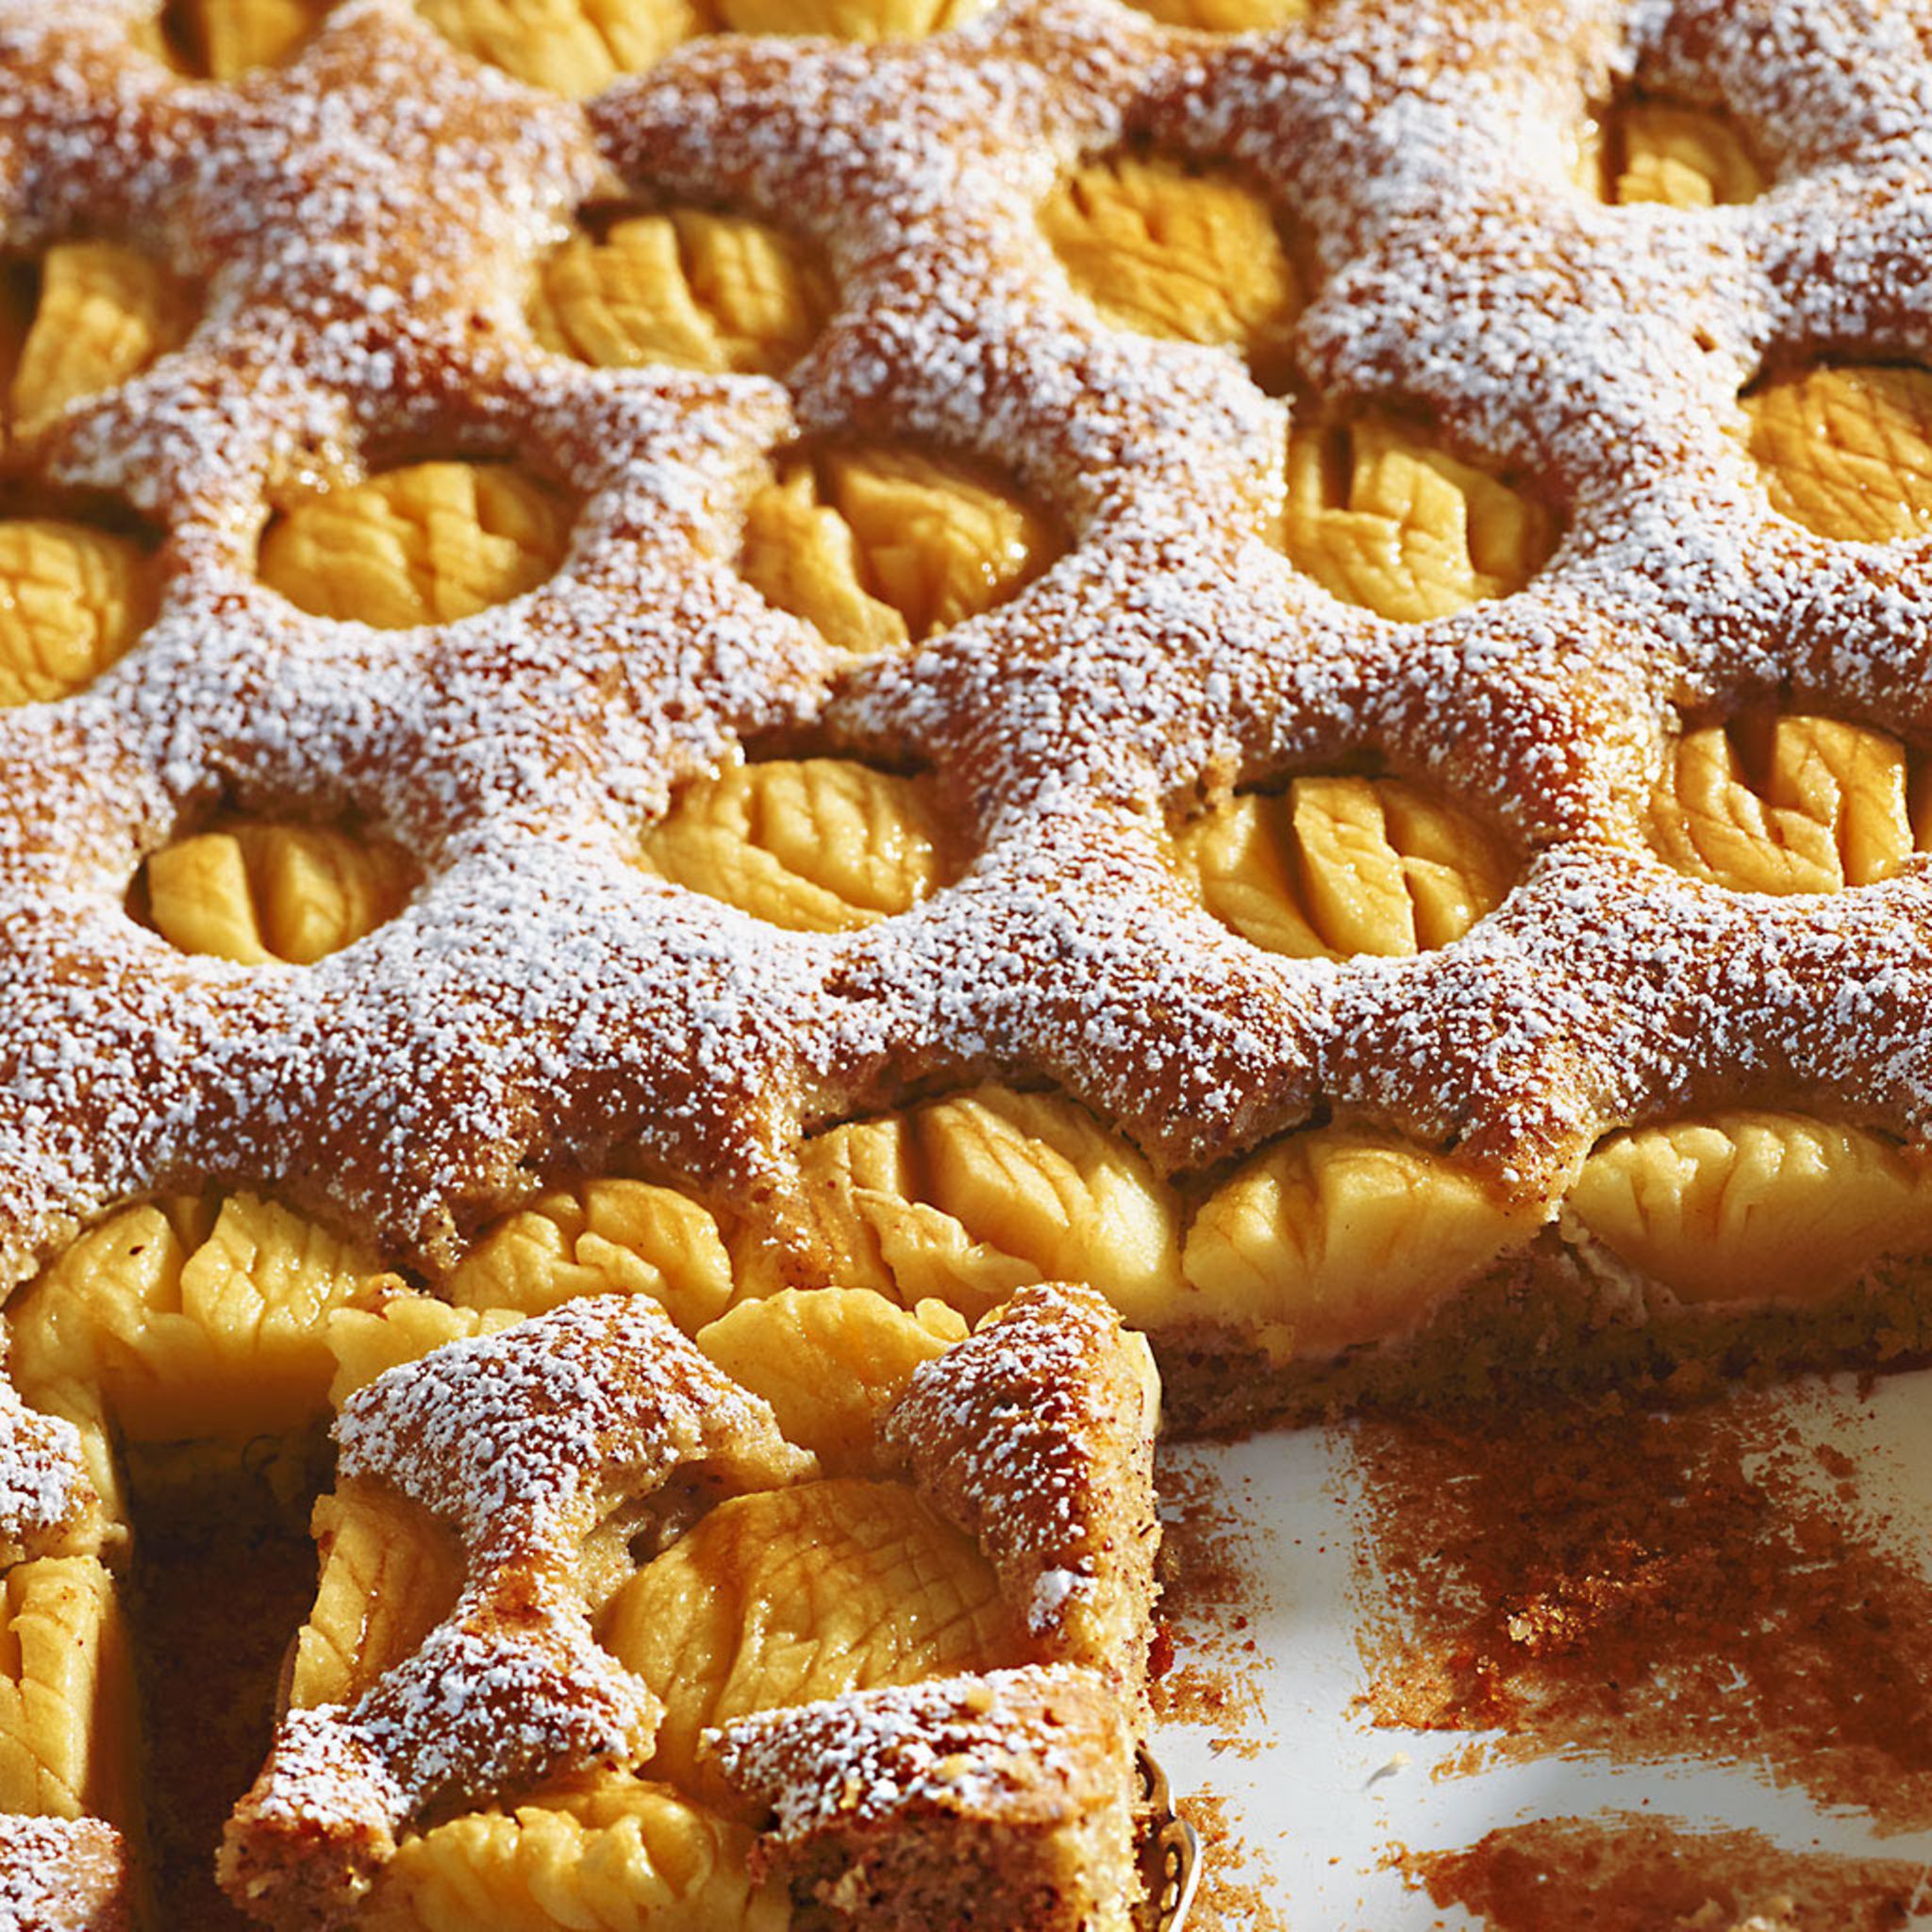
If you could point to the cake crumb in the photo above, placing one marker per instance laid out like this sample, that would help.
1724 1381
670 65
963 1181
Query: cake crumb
1622 1872
1591 1578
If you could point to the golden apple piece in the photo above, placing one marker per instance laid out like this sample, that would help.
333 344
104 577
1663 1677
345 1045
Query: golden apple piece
1846 449
1186 253
399 1325
717 292
254 890
1225 16
67 1747
1332 867
607 1852
601 1236
430 544
575 47
1379 517
878 547
830 1362
787 1595
104 312
1754 1207
389 1574
73 600
1785 805
1343 1236
1682 156
810 844
226 38
1040 1178
965 1199
848 20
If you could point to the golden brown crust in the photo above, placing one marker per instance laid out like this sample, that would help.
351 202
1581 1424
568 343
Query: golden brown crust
43 1483
1036 1744
1546 335
987 1801
64 1875
539 1447
1036 1436
540 1001
559 1452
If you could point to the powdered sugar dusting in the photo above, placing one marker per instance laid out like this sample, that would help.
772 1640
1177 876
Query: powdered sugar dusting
1053 1590
43 1483
60 1875
522 1442
989 1744
1037 1436
519 1440
361 223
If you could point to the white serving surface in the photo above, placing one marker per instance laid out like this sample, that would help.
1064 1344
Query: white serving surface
1319 1797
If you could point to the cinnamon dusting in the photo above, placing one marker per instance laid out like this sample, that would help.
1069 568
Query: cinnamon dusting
1592 1578
1233 1897
1624 1872
1214 1596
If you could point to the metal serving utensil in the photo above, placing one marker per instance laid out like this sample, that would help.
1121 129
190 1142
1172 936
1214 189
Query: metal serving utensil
1170 1853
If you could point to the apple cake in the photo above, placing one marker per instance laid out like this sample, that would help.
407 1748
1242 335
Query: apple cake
718 701
597 1599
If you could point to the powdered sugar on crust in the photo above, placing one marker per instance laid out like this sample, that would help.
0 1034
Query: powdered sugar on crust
520 1441
524 1442
1009 1747
511 1690
1036 1436
60 1874
363 221
43 1482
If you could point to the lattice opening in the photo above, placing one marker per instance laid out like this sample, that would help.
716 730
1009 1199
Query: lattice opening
1225 16
879 547
1381 515
578 47
1649 148
1330 866
1182 250
223 40
1847 448
256 889
815 844
83 316
430 542
79 583
702 289
1789 802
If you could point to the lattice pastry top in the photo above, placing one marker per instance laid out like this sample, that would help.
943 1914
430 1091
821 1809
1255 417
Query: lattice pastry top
1131 601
